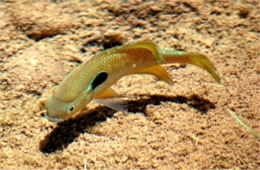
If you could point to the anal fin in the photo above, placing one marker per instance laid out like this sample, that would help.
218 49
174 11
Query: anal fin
157 71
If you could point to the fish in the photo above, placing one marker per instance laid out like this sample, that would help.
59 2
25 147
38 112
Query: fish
94 78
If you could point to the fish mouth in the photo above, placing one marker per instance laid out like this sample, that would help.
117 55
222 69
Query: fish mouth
52 119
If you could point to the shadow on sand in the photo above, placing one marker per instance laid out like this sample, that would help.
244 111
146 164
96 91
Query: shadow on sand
66 132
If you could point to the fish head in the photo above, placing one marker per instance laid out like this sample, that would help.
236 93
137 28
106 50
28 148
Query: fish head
59 110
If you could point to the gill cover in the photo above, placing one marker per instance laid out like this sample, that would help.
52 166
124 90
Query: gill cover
98 80
58 110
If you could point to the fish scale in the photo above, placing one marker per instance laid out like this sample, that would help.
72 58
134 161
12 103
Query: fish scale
92 79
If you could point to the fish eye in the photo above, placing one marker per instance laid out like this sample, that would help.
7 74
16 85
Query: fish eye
71 108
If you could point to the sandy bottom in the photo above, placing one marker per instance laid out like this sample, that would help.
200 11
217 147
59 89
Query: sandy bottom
185 125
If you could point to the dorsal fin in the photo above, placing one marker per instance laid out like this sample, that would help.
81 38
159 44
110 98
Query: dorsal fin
149 46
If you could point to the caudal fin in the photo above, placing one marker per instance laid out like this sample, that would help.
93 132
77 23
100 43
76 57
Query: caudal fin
203 62
197 59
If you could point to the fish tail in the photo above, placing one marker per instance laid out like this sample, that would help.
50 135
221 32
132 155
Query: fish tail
197 59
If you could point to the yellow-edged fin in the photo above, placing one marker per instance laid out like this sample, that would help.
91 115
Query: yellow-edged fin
203 62
157 71
149 46
108 93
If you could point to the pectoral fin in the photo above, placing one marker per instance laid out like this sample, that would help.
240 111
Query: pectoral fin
112 99
108 93
114 103
157 71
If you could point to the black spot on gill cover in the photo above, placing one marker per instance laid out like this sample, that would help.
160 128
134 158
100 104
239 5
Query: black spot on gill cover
99 79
